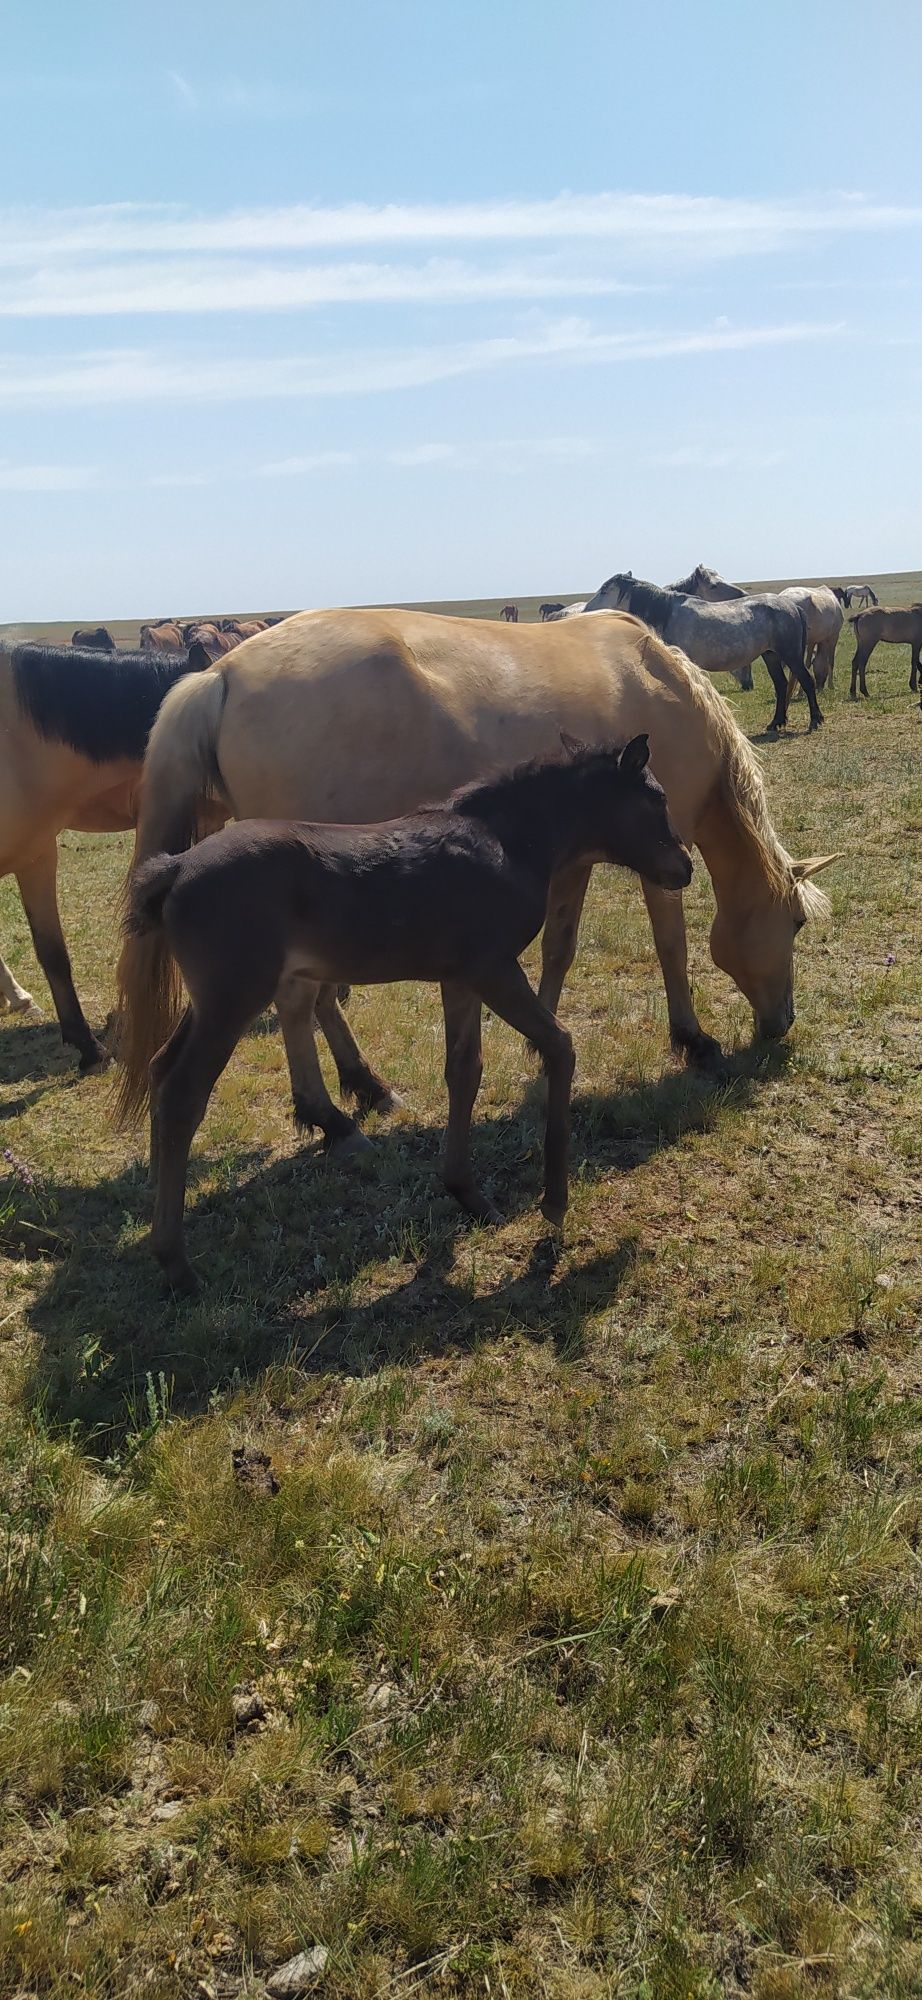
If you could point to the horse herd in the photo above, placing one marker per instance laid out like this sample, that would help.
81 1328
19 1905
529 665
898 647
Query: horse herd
338 727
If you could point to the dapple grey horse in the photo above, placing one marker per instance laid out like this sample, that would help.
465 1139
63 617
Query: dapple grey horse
721 638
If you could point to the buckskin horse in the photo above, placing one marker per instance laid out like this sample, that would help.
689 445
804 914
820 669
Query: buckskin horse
897 627
270 732
73 728
452 893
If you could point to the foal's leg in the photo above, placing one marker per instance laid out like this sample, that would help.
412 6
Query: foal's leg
463 1071
508 993
38 888
13 995
191 1072
160 1067
356 1078
566 896
915 669
667 917
313 1106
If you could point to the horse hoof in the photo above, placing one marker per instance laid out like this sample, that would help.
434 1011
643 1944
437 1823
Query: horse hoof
475 1204
179 1276
19 1005
349 1147
386 1101
96 1058
554 1211
701 1051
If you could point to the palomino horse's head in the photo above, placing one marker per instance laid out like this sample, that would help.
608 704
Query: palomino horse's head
756 947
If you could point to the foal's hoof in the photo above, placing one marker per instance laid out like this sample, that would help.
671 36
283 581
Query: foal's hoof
700 1051
474 1204
349 1147
384 1101
554 1211
180 1276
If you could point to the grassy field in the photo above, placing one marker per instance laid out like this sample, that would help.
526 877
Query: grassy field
577 1651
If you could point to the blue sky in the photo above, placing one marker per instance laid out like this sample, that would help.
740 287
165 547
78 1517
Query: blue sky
306 304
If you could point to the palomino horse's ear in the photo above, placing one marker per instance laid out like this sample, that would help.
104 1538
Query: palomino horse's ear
802 870
636 755
572 744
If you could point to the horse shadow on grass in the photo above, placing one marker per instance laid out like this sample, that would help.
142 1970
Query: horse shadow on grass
342 1269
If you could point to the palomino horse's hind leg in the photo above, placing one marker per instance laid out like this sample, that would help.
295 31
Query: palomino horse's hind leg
12 995
193 1060
463 1070
667 918
356 1078
508 993
313 1106
38 888
566 897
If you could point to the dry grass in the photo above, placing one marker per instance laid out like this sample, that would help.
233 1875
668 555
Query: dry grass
585 1620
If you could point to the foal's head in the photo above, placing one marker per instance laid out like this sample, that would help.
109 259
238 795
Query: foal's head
626 815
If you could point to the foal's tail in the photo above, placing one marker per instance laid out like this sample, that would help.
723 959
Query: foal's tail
180 774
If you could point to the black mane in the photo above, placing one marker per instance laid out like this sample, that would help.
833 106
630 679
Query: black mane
484 796
101 705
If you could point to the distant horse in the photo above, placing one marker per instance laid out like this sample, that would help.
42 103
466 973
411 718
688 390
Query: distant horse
546 611
73 728
452 893
855 593
443 701
899 627
511 614
723 637
94 639
165 637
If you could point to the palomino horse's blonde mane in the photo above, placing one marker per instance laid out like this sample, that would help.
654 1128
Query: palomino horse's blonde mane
744 785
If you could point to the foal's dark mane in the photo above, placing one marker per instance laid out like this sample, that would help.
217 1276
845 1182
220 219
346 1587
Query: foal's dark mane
536 779
100 704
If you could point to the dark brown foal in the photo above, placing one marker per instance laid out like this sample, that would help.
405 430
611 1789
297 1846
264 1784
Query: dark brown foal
268 910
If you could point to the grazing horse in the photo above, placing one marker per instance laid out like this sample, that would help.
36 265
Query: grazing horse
443 701
546 611
511 614
94 639
73 728
724 637
899 627
452 893
856 593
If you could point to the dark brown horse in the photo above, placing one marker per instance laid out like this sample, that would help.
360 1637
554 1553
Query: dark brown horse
546 611
511 614
93 639
452 893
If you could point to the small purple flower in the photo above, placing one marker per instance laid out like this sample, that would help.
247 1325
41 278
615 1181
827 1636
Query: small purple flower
21 1168
890 958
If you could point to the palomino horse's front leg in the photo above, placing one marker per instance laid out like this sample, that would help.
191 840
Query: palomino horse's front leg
38 889
566 897
313 1106
12 995
667 918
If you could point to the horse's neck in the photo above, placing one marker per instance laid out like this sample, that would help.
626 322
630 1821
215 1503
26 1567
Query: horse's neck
730 855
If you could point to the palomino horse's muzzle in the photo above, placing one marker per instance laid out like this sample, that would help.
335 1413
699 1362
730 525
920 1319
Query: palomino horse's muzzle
773 1027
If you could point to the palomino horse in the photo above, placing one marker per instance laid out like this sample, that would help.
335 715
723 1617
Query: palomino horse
510 612
12 995
452 893
73 727
723 637
895 627
443 701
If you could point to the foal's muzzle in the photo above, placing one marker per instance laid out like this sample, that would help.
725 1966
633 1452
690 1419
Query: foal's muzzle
676 870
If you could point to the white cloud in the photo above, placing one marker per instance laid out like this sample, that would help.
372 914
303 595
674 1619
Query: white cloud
309 461
710 225
182 88
703 458
179 286
126 375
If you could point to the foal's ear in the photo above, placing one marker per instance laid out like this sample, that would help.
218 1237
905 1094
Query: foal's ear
802 870
635 756
572 744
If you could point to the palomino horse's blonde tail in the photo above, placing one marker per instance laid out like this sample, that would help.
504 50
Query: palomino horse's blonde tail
180 773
